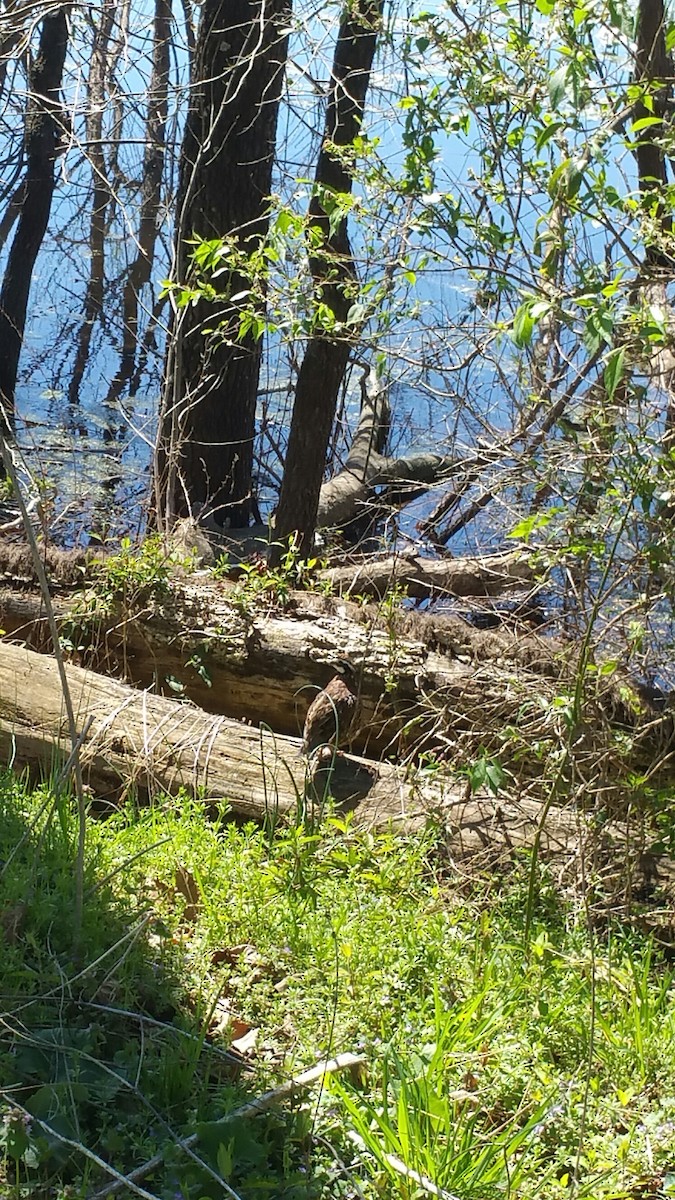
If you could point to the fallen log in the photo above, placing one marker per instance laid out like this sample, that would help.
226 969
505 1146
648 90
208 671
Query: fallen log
487 575
135 741
424 683
200 641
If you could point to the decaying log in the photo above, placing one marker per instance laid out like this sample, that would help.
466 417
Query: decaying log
135 740
424 683
266 668
487 575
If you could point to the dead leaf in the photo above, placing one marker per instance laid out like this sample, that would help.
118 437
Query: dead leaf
235 954
245 1043
221 1018
186 886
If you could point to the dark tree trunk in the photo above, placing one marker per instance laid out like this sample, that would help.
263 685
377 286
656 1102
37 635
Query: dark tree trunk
205 453
654 68
44 126
326 356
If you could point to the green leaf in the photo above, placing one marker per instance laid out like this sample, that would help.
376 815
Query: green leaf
494 776
544 136
539 520
608 667
614 371
644 123
356 314
486 772
574 177
557 86
225 1159
523 325
539 309
14 1137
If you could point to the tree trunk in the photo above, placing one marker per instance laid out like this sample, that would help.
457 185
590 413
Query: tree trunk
654 72
423 682
334 273
422 578
350 495
653 69
138 742
205 453
44 126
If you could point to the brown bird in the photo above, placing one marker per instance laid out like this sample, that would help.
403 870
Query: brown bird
330 715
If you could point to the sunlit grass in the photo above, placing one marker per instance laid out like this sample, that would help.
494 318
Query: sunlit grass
491 1066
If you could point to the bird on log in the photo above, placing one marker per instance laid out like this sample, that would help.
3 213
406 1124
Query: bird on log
331 713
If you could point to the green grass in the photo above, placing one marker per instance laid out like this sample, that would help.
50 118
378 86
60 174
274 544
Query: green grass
492 1067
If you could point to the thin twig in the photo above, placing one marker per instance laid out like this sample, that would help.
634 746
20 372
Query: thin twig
251 1109
426 1184
66 1141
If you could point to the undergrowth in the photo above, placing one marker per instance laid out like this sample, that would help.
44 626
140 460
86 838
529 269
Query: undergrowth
491 1065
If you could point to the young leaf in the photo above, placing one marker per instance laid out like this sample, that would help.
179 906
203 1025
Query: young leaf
614 371
523 325
557 85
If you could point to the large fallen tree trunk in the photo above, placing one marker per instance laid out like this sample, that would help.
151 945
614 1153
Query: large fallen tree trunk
201 641
424 683
131 740
489 575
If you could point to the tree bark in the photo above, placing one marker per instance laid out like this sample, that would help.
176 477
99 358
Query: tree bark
489 575
423 681
334 273
207 426
268 668
137 742
653 69
44 125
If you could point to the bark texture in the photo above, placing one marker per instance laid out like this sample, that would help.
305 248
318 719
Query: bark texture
654 69
208 422
489 575
351 493
422 682
334 273
132 740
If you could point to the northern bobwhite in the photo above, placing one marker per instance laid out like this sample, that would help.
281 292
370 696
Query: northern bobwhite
331 713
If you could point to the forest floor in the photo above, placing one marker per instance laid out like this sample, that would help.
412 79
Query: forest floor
515 1038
